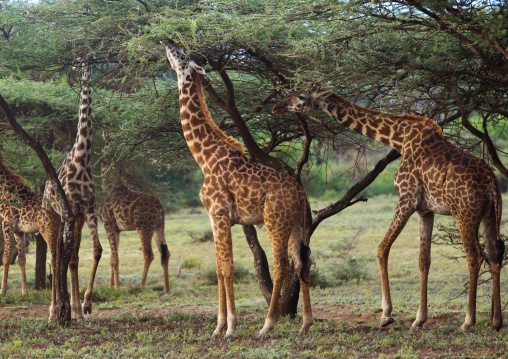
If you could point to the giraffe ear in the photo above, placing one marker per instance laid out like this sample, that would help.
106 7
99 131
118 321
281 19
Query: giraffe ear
324 91
198 69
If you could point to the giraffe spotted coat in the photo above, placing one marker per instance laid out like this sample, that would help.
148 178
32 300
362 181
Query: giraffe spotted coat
434 177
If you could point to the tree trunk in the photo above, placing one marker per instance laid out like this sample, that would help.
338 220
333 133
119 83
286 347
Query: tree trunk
288 302
40 262
260 263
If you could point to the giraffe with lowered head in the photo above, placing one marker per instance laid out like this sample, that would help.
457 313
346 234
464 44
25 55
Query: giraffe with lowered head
21 212
75 175
238 191
127 210
434 177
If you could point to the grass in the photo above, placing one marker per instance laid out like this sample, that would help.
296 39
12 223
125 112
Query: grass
130 322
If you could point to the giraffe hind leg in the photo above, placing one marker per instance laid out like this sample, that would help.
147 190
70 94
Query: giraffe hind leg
300 255
426 221
495 252
91 220
113 235
279 236
469 234
146 243
165 254
76 311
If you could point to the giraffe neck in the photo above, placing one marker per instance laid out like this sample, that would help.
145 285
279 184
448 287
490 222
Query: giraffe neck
12 186
387 129
206 141
83 145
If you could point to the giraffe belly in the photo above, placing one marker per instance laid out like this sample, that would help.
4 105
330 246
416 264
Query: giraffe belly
437 205
27 227
246 215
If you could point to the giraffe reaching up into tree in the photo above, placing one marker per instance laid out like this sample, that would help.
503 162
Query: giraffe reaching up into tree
127 210
238 191
434 177
75 175
21 212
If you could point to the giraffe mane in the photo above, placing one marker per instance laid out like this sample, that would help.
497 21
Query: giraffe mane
228 139
403 118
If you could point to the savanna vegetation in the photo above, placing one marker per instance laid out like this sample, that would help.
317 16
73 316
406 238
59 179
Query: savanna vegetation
446 60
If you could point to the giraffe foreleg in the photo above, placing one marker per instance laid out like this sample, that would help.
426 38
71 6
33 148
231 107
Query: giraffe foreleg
91 221
426 221
403 211
8 240
76 311
21 242
221 227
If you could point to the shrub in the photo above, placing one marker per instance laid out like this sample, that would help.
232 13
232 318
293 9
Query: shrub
189 263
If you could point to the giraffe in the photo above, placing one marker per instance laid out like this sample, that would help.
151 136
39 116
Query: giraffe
434 177
238 191
75 175
21 212
127 210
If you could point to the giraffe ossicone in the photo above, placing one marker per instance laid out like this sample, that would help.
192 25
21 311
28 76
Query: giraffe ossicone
238 191
434 177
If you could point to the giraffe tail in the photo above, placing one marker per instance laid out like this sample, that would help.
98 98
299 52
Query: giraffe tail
498 208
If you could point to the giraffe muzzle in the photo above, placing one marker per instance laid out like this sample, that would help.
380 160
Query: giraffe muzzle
278 110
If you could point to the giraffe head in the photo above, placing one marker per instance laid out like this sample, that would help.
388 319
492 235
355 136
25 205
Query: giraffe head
302 100
179 61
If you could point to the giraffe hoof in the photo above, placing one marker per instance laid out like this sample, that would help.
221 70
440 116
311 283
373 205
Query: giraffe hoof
87 309
231 336
386 321
418 327
465 327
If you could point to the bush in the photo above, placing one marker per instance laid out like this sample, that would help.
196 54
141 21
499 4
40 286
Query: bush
353 269
190 263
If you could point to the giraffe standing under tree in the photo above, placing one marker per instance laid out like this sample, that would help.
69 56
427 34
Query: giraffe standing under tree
434 177
238 191
127 210
21 212
75 175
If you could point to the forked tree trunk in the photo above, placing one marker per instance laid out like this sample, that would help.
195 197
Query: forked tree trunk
41 251
260 263
65 243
